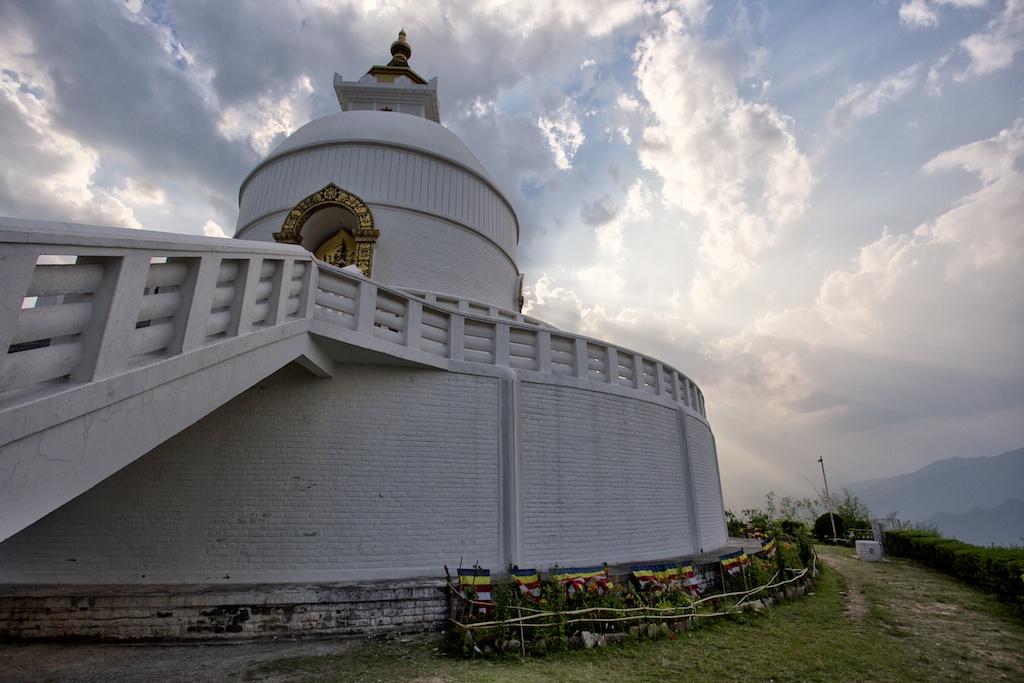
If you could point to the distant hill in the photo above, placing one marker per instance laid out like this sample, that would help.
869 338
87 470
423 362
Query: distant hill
952 487
1002 525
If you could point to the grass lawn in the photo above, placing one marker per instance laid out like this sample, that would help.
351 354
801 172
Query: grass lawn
865 621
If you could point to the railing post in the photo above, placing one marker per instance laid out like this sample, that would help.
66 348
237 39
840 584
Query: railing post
543 351
501 338
245 298
310 279
456 336
413 324
611 360
282 280
366 307
638 372
17 263
106 344
582 359
197 302
659 378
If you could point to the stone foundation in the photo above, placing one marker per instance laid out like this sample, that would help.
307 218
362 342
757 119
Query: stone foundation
182 612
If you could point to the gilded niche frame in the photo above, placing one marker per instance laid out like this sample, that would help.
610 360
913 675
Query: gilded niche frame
365 234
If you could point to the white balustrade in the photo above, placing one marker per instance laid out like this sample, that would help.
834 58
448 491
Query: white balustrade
82 304
446 327
79 305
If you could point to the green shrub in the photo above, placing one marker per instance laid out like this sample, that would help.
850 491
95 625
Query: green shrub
995 570
823 527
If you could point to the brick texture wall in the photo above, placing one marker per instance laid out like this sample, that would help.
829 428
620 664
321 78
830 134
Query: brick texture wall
708 484
389 472
378 472
602 478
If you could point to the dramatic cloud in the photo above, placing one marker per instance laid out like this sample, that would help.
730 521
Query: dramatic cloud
814 213
905 312
66 187
730 162
563 134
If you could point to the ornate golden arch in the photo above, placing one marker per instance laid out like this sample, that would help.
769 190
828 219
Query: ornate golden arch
365 235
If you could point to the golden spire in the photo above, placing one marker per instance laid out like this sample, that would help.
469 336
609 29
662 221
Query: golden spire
400 51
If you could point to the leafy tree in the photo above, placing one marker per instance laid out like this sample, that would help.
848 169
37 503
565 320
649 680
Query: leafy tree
851 509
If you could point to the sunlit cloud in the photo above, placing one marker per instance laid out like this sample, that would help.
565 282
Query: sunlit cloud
918 14
866 99
563 133
729 161
996 47
33 141
211 229
266 121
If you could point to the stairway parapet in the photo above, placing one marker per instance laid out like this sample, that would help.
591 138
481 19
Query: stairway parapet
81 303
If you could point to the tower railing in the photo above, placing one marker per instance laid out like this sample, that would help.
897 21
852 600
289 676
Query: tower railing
80 304
355 303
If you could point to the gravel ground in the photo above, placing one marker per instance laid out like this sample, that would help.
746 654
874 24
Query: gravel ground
154 663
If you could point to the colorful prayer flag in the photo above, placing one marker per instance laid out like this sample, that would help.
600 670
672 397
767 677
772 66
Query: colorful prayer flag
690 582
528 581
475 587
659 577
576 578
734 562
768 547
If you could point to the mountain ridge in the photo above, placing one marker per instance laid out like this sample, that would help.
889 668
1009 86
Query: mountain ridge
958 489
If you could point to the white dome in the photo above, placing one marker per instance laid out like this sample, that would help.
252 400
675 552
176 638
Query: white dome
381 128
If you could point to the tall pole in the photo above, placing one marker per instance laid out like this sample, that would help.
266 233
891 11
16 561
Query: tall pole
828 498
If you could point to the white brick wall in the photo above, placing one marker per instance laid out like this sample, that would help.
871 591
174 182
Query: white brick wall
704 464
453 259
379 472
390 472
602 478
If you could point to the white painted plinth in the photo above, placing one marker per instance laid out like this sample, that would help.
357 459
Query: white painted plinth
869 550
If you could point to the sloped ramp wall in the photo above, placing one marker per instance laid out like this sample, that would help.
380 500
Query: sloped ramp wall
380 472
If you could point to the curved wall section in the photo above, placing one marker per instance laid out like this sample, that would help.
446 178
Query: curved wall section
354 486
382 175
602 478
424 188
707 483
453 259
391 472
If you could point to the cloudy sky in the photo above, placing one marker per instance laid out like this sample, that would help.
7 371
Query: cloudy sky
814 209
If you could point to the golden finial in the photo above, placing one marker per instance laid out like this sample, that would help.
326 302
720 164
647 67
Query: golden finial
400 51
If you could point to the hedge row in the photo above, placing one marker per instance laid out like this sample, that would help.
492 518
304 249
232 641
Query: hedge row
996 570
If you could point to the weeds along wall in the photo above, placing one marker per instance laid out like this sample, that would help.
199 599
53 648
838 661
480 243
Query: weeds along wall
388 472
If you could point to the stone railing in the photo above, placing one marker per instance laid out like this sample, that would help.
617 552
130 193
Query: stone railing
475 307
79 304
355 303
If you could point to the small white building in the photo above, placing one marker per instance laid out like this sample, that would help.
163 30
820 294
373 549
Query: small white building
257 423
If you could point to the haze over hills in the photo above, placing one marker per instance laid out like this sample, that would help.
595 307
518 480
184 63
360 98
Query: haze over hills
977 500
1002 525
